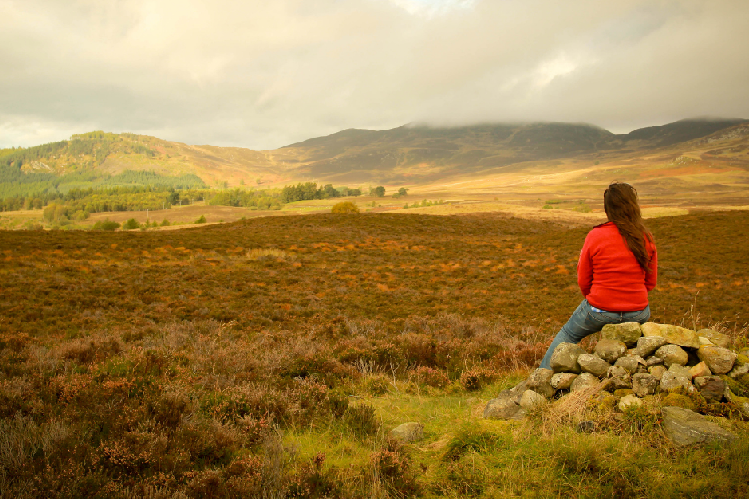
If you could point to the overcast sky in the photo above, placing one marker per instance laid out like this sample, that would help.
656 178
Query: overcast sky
266 73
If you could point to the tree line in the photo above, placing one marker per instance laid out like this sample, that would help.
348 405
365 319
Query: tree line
309 191
76 195
96 144
19 190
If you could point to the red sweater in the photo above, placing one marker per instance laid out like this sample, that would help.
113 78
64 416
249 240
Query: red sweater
608 273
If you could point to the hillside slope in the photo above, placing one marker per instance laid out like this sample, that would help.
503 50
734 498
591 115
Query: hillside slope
410 154
422 153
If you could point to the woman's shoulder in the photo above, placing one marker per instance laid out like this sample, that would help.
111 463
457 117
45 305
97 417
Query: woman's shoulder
602 228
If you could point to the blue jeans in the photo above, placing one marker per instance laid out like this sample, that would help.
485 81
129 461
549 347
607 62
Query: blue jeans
586 321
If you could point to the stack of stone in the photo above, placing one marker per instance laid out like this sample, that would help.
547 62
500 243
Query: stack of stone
634 361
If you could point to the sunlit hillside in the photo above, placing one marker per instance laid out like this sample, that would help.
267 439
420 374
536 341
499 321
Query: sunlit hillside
416 154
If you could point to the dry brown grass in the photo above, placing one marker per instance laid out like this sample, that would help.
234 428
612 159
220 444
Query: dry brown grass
571 410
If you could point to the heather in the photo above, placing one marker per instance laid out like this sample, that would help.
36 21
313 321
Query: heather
271 357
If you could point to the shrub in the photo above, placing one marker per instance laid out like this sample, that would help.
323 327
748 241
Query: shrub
167 410
85 351
637 420
200 220
345 207
269 254
466 479
424 375
254 429
377 384
106 225
361 420
468 439
311 480
583 208
165 223
131 224
476 377
393 467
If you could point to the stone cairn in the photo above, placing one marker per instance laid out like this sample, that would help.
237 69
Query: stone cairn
635 362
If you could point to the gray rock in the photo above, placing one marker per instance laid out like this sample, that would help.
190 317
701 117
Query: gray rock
711 388
593 364
648 344
630 363
501 408
672 354
674 335
408 432
610 350
741 366
562 381
629 401
653 361
530 400
616 371
644 384
657 372
564 358
517 391
716 338
684 427
626 332
540 382
617 379
518 415
583 381
705 341
670 382
507 403
700 370
720 360
681 371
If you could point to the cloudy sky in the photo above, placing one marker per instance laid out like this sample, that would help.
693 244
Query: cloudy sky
266 73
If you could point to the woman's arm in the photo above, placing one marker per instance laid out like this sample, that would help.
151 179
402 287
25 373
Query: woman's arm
651 278
585 268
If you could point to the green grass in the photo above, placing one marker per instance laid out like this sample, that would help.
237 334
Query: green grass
462 454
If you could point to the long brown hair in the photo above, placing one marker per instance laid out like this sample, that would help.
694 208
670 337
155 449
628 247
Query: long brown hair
622 208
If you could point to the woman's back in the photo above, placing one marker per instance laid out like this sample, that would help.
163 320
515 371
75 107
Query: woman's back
608 273
611 271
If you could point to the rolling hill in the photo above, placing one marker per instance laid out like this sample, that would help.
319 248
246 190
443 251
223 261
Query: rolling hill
409 155
422 153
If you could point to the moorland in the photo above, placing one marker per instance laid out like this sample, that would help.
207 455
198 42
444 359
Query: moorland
270 357
518 168
266 355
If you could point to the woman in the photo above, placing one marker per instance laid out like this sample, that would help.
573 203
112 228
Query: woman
617 268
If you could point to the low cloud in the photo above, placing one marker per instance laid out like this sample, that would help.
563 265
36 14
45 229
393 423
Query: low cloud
266 74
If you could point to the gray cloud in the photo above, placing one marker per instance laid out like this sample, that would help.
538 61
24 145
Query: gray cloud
264 74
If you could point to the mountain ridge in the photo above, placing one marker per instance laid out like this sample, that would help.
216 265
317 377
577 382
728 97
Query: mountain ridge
411 153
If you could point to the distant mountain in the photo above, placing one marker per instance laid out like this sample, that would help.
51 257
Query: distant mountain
424 152
414 154
680 131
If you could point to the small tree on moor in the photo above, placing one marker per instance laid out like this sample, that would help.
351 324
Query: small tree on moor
345 207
